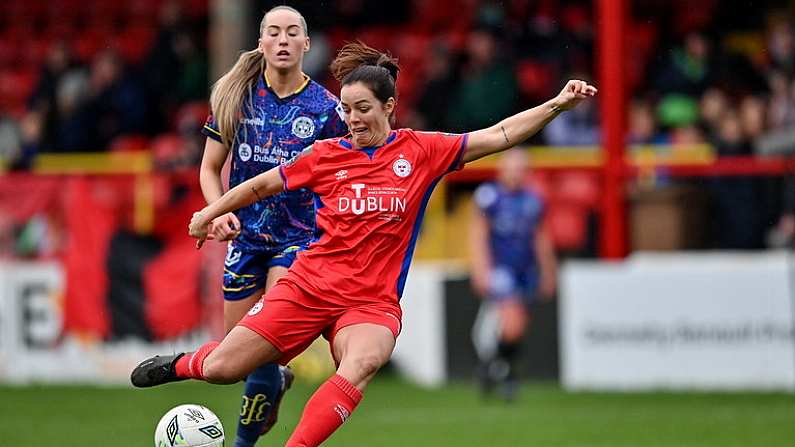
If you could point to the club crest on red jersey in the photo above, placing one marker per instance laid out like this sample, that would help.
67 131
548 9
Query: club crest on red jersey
401 167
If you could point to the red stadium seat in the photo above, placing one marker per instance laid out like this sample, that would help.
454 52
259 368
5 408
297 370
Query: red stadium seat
536 80
106 11
566 226
337 36
65 19
575 19
35 50
130 143
540 183
456 39
88 43
142 9
167 148
191 115
60 27
640 41
134 43
436 15
24 12
578 188
378 37
195 8
15 88
412 48
9 52
688 19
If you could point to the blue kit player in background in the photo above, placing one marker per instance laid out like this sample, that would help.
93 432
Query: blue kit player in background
513 264
265 110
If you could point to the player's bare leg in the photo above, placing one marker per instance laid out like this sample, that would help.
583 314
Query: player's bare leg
235 310
236 356
241 351
361 350
513 323
513 319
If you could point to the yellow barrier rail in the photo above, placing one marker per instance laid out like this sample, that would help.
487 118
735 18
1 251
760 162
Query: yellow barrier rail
94 163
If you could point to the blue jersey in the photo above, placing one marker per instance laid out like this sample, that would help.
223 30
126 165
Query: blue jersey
272 131
513 218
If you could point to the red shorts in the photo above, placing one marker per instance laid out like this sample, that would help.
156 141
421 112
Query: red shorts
291 319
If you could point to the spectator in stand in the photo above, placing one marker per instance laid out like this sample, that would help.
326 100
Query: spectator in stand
736 211
679 114
487 89
781 46
73 127
176 67
730 139
115 104
59 62
642 125
752 119
712 106
688 70
781 105
434 100
687 135
9 141
30 132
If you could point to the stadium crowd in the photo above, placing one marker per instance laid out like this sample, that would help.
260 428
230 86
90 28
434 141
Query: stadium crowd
113 76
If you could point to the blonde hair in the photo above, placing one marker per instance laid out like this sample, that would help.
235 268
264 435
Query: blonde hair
233 90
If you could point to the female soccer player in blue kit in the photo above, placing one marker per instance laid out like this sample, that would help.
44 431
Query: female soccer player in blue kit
513 264
265 110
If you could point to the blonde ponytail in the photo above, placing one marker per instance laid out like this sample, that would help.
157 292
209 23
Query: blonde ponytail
233 90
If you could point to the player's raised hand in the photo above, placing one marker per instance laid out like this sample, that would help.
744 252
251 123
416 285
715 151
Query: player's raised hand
199 228
225 228
574 92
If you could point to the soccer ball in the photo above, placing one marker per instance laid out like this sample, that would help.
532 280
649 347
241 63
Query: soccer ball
189 425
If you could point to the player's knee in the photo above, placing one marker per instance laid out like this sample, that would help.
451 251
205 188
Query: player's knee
216 370
365 365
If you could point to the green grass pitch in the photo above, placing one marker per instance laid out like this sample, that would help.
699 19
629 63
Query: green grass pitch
394 413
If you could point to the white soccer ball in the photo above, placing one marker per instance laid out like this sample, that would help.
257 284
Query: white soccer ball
189 425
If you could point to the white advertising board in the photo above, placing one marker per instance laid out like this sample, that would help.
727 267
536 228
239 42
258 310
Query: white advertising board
715 321
420 353
33 347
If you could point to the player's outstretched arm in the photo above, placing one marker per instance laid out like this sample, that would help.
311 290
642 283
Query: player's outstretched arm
227 226
256 188
517 128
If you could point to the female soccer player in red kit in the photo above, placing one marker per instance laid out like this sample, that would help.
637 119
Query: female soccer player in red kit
264 109
370 189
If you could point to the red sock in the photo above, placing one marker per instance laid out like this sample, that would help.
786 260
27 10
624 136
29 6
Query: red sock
189 366
327 409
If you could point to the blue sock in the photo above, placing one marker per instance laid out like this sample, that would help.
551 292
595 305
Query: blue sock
262 387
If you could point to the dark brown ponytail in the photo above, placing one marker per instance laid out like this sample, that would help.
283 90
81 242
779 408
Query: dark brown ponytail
357 62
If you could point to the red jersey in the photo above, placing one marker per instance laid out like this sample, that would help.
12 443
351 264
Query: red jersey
369 204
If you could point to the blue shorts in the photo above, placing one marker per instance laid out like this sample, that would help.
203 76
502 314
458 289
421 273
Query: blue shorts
506 283
246 272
